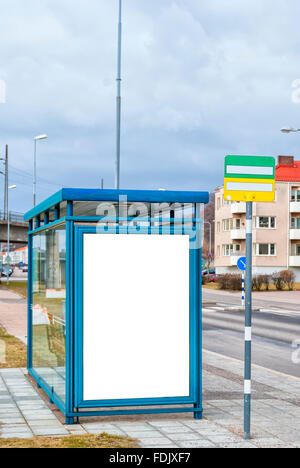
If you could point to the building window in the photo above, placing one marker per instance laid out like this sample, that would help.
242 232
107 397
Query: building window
295 195
265 222
232 223
295 250
218 203
218 251
295 223
265 249
231 249
218 226
226 225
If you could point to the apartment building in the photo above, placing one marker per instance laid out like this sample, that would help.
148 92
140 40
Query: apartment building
276 226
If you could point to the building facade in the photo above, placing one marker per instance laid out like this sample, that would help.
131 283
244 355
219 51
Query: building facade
276 226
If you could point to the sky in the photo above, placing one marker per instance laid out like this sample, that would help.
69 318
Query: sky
200 79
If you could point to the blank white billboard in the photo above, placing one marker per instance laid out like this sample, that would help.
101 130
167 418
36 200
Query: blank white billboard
135 316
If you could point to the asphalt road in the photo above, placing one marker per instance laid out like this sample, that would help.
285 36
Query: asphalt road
273 334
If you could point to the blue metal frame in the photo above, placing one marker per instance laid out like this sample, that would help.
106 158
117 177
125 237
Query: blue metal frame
195 397
144 196
74 407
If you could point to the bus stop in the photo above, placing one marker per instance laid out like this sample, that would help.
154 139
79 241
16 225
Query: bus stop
114 301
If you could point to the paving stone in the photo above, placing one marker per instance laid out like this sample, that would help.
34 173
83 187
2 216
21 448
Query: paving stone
175 429
17 436
239 445
185 436
144 435
165 423
157 442
196 444
95 426
136 427
107 431
50 431
11 420
45 423
220 439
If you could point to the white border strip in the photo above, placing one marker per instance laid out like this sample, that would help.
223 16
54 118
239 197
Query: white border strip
252 170
249 186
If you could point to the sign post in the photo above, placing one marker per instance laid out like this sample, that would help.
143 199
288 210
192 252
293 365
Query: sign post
241 264
249 179
248 323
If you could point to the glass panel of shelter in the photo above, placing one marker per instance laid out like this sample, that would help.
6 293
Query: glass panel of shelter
140 214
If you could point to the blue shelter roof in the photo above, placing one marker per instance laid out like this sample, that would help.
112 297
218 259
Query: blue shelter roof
146 196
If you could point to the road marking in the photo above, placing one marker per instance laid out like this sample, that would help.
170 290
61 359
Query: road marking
279 374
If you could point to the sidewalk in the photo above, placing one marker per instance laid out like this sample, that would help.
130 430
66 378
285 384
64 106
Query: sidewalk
13 314
275 411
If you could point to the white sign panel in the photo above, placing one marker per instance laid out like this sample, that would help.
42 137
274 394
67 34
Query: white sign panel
136 316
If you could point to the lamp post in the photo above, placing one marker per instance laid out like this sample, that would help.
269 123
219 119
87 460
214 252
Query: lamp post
11 187
37 138
119 79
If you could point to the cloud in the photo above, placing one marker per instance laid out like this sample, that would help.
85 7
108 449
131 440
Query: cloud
200 80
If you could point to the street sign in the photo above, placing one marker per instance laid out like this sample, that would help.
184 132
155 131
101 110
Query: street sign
241 263
249 178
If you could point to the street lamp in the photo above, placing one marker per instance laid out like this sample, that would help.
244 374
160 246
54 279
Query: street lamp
37 138
119 80
290 130
11 187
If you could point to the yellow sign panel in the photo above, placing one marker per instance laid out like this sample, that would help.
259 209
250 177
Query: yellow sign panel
249 178
254 190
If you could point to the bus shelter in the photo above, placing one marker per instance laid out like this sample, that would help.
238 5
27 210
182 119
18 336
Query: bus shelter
114 301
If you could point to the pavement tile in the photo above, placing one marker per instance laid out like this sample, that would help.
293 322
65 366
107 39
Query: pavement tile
144 435
196 444
157 442
165 423
95 426
239 445
185 436
136 427
117 432
11 420
175 429
45 431
17 436
219 439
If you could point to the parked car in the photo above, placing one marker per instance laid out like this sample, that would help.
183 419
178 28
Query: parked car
211 271
213 278
25 269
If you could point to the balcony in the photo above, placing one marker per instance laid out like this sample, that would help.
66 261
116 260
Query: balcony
295 261
238 207
295 234
237 234
295 207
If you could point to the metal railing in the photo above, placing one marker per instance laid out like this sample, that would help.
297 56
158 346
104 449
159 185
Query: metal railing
14 216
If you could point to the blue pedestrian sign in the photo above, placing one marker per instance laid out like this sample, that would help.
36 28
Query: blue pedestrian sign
241 263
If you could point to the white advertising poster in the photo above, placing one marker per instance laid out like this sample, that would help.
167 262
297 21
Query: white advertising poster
135 316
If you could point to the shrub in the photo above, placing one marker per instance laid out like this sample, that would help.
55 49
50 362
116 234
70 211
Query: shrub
278 281
205 279
288 277
266 281
230 281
